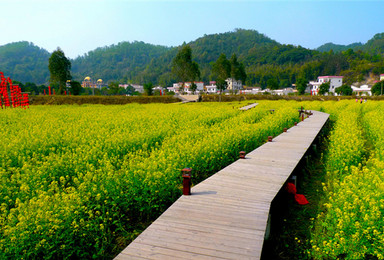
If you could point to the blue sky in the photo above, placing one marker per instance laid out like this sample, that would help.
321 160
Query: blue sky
79 26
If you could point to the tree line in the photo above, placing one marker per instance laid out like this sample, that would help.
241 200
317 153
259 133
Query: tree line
267 63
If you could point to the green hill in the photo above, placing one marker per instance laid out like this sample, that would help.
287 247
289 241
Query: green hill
25 62
122 61
265 60
339 47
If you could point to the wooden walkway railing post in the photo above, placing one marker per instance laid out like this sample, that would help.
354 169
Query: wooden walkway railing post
187 182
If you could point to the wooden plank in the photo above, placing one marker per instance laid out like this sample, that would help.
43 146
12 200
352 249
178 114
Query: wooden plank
226 216
198 242
212 230
249 106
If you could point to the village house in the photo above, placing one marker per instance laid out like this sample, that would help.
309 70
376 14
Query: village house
199 87
250 90
211 88
282 92
234 84
363 90
334 82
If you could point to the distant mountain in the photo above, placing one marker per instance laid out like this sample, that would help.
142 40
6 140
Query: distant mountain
375 45
338 47
265 60
25 62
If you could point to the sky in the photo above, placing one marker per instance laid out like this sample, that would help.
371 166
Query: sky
79 26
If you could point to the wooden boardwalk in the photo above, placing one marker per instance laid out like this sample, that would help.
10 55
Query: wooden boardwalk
249 106
226 215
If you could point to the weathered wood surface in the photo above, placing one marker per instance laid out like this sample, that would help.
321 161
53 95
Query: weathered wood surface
226 215
188 98
249 106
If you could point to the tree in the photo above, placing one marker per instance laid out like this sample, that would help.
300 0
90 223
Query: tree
221 71
114 88
324 88
76 88
272 84
193 87
301 85
183 67
237 69
59 67
344 90
148 89
32 88
130 90
378 88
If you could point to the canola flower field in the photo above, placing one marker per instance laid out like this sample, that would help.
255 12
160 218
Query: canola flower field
351 224
81 181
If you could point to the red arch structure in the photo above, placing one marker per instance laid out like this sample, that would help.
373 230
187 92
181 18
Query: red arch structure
13 97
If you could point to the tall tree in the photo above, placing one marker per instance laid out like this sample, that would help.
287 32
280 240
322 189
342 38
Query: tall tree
301 85
114 87
221 70
324 88
237 69
148 89
183 67
272 84
344 90
76 88
59 67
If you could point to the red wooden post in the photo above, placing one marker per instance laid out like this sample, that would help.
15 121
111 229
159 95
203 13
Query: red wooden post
295 123
269 138
186 173
285 130
49 90
242 155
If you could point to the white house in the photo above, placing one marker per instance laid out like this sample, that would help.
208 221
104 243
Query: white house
211 88
199 87
138 88
178 87
334 82
160 89
282 92
251 90
234 84
363 90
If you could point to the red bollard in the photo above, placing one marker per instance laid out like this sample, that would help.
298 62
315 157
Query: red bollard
242 155
269 138
302 117
186 173
285 130
295 123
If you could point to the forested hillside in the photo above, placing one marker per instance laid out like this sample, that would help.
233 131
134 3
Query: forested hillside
267 62
116 62
24 62
339 47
